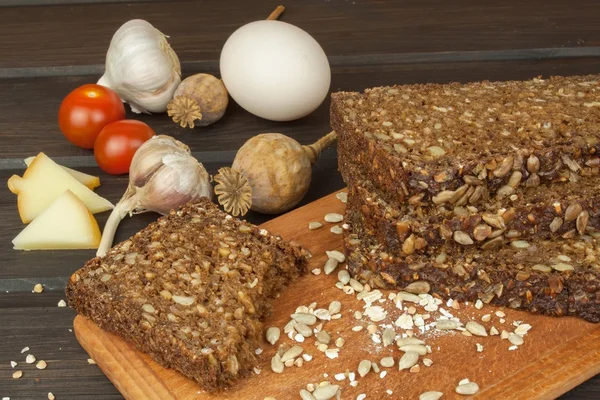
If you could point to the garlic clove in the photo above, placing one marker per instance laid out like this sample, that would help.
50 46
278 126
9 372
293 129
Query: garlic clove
180 179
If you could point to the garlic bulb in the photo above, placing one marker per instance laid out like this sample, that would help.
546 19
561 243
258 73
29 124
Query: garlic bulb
163 176
142 67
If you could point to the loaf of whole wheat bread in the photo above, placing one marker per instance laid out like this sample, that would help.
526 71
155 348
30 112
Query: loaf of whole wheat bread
486 190
430 141
190 290
547 277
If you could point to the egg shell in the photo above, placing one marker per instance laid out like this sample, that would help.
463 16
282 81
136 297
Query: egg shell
275 70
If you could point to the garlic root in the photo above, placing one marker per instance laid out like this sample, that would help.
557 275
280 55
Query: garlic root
163 176
270 174
200 99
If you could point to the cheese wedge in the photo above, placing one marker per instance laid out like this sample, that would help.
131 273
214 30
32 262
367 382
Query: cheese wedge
90 181
65 224
43 182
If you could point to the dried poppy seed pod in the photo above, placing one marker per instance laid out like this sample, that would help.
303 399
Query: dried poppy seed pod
199 100
270 174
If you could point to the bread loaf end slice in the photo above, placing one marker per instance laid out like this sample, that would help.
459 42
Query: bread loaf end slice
190 290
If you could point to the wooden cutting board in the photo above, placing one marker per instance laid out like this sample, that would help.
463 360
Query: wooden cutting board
558 353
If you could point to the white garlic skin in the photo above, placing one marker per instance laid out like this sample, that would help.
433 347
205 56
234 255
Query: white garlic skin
142 67
165 175
277 168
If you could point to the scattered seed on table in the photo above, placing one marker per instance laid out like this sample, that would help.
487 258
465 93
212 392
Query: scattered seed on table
338 255
476 329
340 377
388 336
273 334
314 225
276 364
335 307
17 374
332 353
356 285
446 324
62 303
325 392
430 395
41 364
333 217
330 265
387 362
24 350
51 396
30 359
467 388
304 330
38 288
409 359
304 318
306 395
344 276
408 340
515 339
342 196
364 367
375 367
415 369
522 329
336 229
417 348
91 361
13 364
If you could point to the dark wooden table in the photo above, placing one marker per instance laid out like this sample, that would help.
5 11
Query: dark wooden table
49 47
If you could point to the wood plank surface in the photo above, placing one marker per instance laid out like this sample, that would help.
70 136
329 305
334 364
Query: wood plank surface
29 117
43 36
558 353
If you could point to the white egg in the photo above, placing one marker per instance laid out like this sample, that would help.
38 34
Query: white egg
275 70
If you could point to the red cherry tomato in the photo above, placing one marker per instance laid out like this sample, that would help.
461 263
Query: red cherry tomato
86 110
117 143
